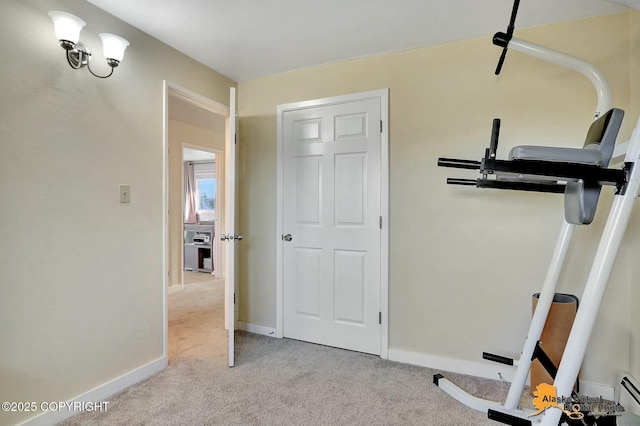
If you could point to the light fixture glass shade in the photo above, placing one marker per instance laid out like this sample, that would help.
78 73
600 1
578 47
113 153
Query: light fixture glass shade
67 26
113 46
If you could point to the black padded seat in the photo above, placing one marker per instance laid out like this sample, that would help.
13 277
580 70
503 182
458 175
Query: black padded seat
591 156
580 197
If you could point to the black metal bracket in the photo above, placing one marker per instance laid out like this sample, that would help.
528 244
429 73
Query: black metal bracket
547 175
544 359
549 366
436 379
497 358
507 419
555 170
532 175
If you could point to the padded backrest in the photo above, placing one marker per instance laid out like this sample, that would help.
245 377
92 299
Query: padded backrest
603 132
581 198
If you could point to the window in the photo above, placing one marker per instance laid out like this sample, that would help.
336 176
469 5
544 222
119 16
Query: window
205 179
206 188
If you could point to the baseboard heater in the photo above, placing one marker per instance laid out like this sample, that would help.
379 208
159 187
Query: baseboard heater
628 394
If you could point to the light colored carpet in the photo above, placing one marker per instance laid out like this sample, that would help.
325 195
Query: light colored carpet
278 381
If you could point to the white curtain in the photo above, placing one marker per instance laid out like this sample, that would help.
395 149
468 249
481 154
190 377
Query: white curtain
190 215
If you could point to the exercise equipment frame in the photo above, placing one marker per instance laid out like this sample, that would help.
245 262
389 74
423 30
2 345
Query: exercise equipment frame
627 182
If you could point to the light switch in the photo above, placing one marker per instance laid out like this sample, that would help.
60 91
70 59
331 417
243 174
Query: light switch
125 193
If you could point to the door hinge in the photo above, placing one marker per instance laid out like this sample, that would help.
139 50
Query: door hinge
380 223
234 298
379 317
235 138
380 126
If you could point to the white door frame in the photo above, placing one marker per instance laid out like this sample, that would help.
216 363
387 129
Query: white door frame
383 95
210 105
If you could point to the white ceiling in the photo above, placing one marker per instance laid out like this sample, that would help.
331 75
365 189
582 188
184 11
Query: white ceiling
249 39
189 154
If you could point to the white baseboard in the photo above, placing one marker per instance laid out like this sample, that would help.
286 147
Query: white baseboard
97 395
628 393
596 390
256 329
480 369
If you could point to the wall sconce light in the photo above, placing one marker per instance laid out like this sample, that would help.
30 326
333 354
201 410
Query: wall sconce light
68 27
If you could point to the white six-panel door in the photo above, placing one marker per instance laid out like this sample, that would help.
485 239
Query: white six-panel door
331 209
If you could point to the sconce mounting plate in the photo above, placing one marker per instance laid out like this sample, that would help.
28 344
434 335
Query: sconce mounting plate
79 56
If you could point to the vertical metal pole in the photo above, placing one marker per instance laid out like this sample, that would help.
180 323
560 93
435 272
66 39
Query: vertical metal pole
540 315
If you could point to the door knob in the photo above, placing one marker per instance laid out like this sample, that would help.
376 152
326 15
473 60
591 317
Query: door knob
287 237
238 237
224 237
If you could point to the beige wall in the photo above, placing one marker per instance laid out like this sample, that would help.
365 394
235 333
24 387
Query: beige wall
81 274
463 262
180 134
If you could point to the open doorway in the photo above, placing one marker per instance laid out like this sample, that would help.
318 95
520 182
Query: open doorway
202 180
195 137
196 163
